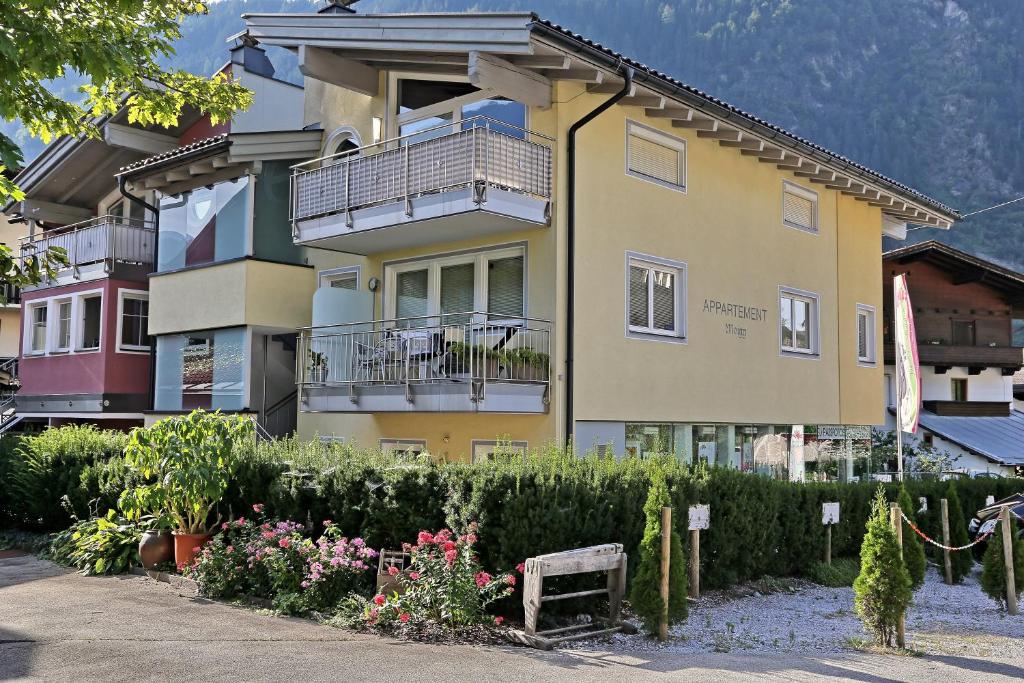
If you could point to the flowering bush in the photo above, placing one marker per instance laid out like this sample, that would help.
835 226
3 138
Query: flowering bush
444 584
274 560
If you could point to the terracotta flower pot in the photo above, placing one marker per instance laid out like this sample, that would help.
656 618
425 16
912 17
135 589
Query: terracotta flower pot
187 546
155 548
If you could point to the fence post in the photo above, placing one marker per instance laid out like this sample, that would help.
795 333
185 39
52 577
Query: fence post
666 559
695 563
1011 584
896 519
828 544
947 561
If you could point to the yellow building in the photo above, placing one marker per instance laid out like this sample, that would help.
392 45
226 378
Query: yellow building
698 279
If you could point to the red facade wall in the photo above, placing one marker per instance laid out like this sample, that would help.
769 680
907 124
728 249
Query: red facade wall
202 129
98 372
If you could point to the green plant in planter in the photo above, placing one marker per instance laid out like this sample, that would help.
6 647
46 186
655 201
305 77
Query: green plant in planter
317 366
102 545
471 357
189 461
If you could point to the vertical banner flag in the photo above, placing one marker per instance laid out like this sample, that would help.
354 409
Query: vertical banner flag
908 370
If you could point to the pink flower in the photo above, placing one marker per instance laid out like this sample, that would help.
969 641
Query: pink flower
230 549
224 526
448 545
510 579
392 570
358 542
521 567
373 615
415 576
424 538
379 599
471 538
482 579
257 507
240 521
498 621
404 617
268 535
449 557
195 549
328 522
285 542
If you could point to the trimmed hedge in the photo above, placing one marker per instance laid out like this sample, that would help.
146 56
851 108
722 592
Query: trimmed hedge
550 502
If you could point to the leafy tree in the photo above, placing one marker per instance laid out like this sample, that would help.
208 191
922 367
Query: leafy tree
913 548
117 46
962 560
993 567
882 590
645 593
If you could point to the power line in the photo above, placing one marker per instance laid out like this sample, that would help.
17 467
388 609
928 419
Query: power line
973 213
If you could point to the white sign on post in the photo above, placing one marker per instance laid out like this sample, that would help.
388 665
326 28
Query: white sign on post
990 500
829 513
700 517
924 504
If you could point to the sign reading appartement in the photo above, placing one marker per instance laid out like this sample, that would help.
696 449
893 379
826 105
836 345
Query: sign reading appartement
736 311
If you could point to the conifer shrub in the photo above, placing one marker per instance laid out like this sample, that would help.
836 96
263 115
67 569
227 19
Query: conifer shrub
993 565
882 590
645 590
913 547
962 561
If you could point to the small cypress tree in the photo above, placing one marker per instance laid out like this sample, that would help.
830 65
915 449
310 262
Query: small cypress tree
645 593
961 560
993 567
913 548
882 590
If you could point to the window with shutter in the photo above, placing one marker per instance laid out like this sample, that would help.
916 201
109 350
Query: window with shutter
653 155
411 295
505 287
798 322
799 207
865 333
655 290
457 292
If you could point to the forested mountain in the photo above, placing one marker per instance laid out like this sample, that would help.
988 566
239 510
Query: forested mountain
930 92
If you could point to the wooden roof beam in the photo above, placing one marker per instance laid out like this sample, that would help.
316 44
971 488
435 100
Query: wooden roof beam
435 58
558 62
699 123
584 74
671 112
326 66
489 72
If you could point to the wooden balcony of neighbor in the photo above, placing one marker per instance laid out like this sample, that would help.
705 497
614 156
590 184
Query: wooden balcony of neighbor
968 408
1007 358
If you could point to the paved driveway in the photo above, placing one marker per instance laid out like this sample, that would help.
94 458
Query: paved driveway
59 625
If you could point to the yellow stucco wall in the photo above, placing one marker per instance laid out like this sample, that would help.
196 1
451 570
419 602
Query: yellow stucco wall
10 330
246 292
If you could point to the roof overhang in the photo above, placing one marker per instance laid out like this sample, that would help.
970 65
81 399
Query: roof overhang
518 54
965 268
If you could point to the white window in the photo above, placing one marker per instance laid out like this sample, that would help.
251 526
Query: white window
655 296
405 447
489 450
865 333
64 325
91 308
798 322
655 156
799 207
133 321
492 282
37 328
340 278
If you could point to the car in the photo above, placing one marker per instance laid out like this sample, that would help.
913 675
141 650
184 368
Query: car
986 519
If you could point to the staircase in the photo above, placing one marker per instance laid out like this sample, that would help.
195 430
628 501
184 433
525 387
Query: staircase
9 385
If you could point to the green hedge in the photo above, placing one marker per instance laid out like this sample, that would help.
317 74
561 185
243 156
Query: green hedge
550 502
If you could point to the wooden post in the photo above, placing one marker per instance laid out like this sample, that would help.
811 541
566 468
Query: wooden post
533 584
947 561
666 559
896 519
1011 584
695 563
828 544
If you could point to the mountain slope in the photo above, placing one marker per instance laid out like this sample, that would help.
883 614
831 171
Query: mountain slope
927 91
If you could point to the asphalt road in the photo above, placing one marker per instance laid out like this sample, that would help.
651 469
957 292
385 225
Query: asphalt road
61 626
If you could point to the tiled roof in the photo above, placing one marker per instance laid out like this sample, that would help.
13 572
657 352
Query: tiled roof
700 95
204 145
1000 439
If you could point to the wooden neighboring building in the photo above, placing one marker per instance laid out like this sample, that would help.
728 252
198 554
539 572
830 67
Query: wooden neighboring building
969 318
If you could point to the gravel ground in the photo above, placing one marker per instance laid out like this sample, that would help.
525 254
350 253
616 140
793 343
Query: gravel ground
808 619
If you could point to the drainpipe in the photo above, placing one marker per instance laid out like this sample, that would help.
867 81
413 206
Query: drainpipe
121 182
570 289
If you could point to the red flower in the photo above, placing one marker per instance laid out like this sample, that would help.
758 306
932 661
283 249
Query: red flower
392 570
482 579
424 538
448 545
498 621
510 579
521 567
257 507
379 599
404 617
285 542
414 576
450 556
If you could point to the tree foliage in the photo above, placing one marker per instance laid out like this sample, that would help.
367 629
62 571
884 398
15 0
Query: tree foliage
962 561
913 548
645 592
882 590
993 565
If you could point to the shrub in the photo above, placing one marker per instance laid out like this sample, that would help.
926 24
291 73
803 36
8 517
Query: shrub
962 561
842 572
913 548
444 585
993 565
102 545
882 590
645 592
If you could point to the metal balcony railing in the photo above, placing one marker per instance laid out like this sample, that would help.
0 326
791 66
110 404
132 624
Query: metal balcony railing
478 152
472 348
106 239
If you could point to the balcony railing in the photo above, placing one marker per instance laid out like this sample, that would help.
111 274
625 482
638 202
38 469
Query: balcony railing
472 350
477 153
107 240
963 355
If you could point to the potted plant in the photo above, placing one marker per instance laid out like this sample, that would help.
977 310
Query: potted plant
147 506
477 360
317 367
525 364
189 461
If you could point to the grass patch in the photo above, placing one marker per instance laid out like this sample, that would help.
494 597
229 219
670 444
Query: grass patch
868 645
840 573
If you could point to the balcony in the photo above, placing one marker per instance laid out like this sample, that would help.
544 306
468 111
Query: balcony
96 248
467 362
472 178
1008 358
968 408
